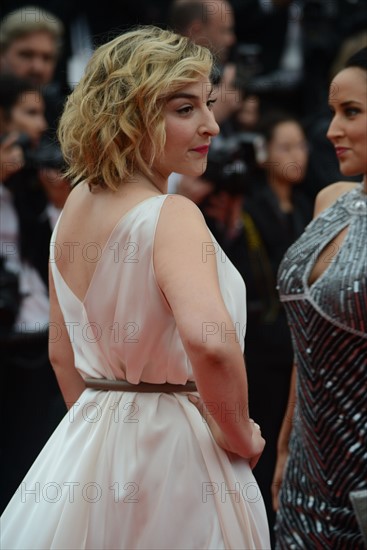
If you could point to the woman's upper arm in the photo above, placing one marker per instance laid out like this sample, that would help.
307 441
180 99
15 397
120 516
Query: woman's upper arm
186 271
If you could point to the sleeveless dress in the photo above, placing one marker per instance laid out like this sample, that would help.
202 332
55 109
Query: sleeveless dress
134 470
328 321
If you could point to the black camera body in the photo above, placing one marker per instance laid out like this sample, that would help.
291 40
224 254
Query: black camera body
46 155
25 143
232 164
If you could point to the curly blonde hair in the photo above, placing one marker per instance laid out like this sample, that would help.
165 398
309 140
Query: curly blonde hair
114 118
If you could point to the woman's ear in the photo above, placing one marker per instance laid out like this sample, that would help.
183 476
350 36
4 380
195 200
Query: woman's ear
261 150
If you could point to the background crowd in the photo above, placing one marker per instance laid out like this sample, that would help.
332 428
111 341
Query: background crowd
276 59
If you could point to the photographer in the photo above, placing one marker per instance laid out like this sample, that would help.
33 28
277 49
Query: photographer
29 400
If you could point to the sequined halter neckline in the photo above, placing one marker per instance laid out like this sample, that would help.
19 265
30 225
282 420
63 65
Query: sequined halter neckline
338 293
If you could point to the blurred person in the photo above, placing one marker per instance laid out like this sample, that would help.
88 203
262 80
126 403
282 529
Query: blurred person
209 23
22 109
283 158
22 117
22 112
30 40
145 116
31 405
30 45
319 485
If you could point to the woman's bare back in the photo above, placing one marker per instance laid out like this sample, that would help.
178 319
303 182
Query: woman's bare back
87 222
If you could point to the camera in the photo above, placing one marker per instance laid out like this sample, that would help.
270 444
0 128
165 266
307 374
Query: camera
24 142
233 164
46 155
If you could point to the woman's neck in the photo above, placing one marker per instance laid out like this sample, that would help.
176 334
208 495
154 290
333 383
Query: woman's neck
155 183
283 192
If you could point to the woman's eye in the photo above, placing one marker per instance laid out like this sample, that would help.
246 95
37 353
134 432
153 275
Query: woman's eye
352 111
185 110
210 103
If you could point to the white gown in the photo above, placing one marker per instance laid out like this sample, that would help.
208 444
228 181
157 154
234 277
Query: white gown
133 470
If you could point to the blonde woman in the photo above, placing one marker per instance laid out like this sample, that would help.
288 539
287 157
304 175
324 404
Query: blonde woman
147 326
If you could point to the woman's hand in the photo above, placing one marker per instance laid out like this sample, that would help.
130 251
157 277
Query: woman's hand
278 477
11 157
257 442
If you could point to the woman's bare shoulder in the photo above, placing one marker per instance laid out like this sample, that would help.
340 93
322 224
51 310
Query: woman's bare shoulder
327 196
181 211
75 197
176 201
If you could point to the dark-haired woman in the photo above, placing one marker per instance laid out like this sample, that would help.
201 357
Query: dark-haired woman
323 284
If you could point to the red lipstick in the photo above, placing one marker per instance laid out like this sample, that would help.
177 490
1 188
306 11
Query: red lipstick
203 149
340 151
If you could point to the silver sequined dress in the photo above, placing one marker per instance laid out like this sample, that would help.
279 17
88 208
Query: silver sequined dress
328 321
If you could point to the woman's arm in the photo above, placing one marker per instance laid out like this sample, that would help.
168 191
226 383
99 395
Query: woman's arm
61 353
283 440
186 271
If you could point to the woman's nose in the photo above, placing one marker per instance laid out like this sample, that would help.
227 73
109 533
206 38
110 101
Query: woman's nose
210 125
334 129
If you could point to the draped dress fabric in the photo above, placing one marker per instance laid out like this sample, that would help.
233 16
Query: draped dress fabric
134 470
328 321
